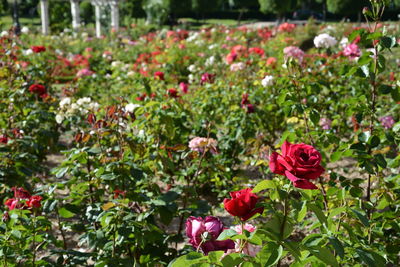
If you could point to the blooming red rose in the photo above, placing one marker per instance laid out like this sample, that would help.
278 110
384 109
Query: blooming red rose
37 89
300 163
21 193
3 139
34 202
38 49
172 92
243 204
12 203
159 75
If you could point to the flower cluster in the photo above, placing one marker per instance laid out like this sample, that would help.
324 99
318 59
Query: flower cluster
81 107
23 200
293 52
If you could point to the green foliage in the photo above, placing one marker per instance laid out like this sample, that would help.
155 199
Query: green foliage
277 7
345 7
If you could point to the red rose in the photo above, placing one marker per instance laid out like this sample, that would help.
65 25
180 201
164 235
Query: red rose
172 92
242 204
299 163
38 49
159 75
3 139
12 203
21 193
34 202
37 89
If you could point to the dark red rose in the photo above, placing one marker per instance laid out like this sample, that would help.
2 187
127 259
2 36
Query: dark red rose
141 97
37 89
250 108
245 99
38 49
159 75
21 193
34 202
3 139
207 78
243 204
172 92
300 163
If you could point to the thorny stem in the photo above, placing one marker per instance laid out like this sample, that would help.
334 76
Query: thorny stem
61 231
34 240
282 229
324 194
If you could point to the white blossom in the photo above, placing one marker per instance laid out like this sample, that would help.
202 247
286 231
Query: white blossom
324 40
267 81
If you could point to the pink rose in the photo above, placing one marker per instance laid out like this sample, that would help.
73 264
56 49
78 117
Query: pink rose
300 163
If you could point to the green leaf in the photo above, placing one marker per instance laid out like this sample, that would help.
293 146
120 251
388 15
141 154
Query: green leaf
269 255
374 141
215 256
361 217
61 172
380 160
16 233
63 212
234 259
187 260
395 94
336 156
384 89
302 213
388 42
326 256
337 245
314 116
227 234
318 212
264 184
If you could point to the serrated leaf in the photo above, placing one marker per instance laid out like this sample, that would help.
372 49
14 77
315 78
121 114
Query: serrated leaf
264 184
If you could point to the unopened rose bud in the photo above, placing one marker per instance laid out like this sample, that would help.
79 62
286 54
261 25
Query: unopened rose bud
365 10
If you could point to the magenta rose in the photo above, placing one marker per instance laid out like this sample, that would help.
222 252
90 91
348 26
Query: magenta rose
300 163
203 234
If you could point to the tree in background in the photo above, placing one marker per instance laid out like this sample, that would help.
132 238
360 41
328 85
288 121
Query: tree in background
157 11
278 7
243 6
346 7
201 7
132 9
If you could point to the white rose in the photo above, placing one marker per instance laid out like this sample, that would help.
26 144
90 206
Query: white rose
267 81
131 107
4 34
65 101
192 68
324 40
25 30
59 118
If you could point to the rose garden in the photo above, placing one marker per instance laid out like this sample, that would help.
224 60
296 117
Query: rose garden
220 146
